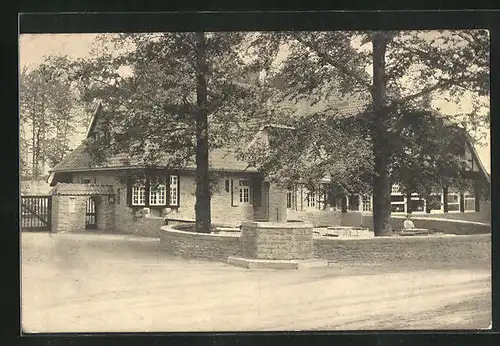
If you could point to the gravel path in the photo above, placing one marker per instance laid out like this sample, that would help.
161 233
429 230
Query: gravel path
103 283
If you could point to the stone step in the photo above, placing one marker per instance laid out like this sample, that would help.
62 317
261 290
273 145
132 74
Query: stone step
251 263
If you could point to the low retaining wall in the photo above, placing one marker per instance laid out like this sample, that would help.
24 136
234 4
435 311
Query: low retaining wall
319 218
147 226
418 249
447 226
199 245
425 249
341 231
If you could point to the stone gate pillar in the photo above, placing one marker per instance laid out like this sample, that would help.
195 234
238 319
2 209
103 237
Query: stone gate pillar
69 206
68 213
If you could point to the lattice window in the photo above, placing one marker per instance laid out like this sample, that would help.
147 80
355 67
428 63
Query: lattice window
367 203
469 202
311 199
138 194
244 192
395 189
157 194
174 190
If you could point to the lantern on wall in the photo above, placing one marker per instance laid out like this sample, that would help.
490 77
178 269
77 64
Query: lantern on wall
111 199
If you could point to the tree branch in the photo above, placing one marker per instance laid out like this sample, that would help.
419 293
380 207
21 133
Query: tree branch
439 85
342 68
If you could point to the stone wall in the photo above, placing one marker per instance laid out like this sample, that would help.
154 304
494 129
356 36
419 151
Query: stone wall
319 218
444 225
68 213
423 249
222 209
146 226
198 245
276 241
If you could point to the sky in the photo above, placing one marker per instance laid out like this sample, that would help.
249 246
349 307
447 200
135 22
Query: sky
33 47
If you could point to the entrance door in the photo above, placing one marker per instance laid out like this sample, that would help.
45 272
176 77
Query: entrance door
90 214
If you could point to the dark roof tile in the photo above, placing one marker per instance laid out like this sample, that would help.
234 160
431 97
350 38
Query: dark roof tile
82 189
80 160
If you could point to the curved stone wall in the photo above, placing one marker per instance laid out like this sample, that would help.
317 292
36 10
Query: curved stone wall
417 249
199 245
447 226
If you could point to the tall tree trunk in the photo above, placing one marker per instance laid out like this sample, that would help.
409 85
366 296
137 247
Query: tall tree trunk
42 142
34 158
33 150
202 205
408 203
381 188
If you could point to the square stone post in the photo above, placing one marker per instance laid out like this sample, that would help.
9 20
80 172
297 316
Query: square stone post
278 245
68 213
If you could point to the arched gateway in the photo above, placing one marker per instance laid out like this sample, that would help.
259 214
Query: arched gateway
78 207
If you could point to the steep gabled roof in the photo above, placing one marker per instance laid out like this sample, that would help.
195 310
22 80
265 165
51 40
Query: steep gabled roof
93 122
225 159
477 159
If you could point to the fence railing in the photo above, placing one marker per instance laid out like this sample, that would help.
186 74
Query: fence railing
36 212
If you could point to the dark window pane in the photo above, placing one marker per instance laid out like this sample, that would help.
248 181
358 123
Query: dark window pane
398 208
397 198
417 205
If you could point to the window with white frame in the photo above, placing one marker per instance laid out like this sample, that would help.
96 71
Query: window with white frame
138 194
154 192
453 201
245 192
469 202
174 190
395 189
367 203
417 204
157 194
311 199
397 203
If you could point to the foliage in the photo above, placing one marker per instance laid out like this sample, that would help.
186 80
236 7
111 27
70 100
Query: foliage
47 99
167 98
315 148
328 67
148 96
427 152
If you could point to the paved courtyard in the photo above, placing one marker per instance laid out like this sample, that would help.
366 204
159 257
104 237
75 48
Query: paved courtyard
105 283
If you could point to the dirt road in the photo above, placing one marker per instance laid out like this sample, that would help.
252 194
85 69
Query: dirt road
98 283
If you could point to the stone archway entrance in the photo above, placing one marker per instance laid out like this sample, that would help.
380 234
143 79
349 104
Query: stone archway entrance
78 207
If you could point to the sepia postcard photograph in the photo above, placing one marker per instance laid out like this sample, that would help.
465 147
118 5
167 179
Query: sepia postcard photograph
239 181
